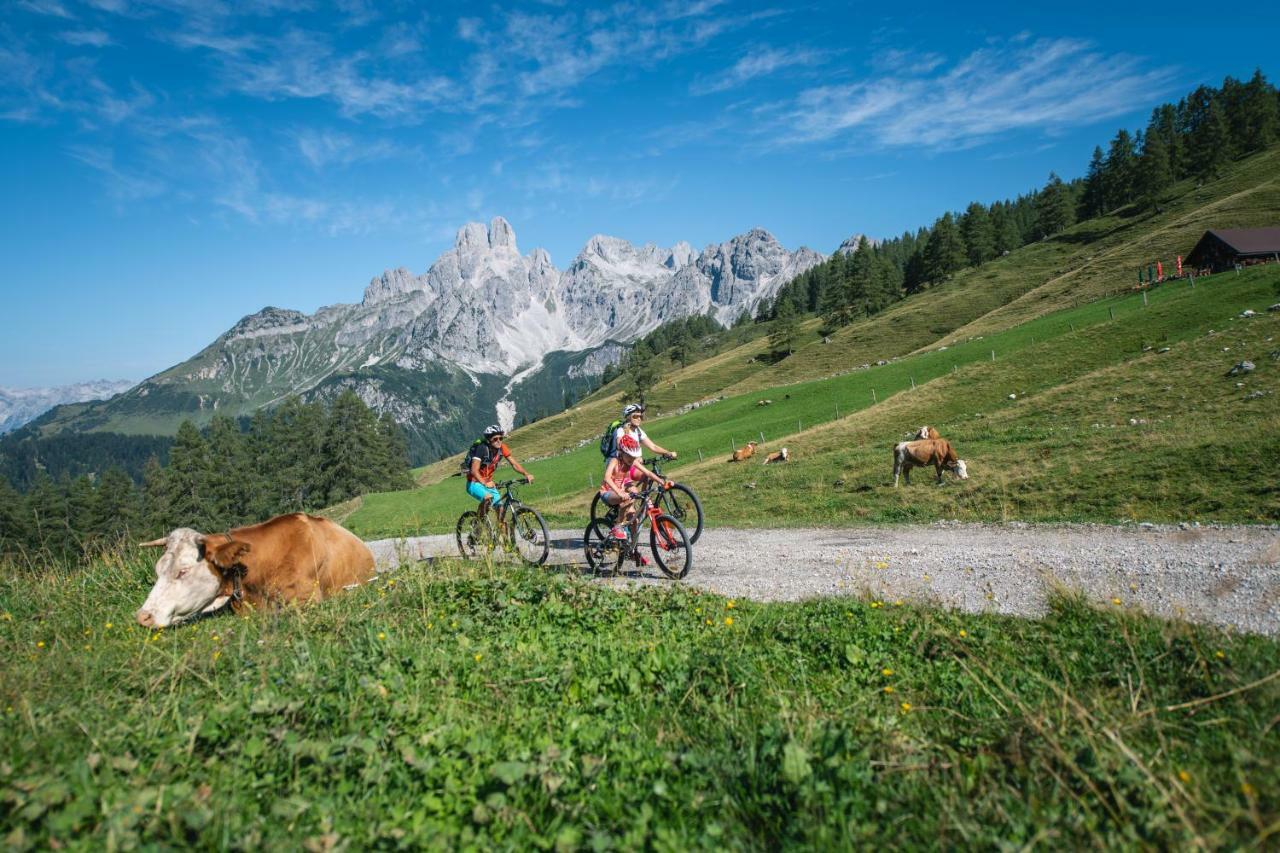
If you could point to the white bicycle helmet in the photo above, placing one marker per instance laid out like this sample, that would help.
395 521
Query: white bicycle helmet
492 430
631 409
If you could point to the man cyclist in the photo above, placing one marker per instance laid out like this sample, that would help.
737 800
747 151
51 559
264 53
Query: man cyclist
486 456
632 419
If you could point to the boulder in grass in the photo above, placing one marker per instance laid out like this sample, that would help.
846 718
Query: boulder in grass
1248 312
1241 368
1275 307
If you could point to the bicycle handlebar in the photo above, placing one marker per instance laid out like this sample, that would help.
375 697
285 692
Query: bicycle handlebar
506 484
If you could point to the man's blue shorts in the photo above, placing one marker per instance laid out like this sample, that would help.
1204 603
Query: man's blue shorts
480 491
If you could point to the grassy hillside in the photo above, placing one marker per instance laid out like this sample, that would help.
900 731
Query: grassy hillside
455 707
1038 456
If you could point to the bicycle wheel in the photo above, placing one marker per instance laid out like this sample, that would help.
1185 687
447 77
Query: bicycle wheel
603 552
529 536
603 516
474 535
683 505
672 550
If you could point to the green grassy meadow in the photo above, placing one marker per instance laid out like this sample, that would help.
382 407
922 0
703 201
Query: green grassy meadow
1098 363
461 706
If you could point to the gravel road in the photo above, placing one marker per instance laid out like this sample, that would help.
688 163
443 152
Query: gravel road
1225 576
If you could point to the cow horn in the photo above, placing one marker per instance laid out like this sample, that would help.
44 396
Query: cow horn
154 543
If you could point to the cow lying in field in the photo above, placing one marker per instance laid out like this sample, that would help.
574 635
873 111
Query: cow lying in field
294 557
919 454
780 456
927 432
744 453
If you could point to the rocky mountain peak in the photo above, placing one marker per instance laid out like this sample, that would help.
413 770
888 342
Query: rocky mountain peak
502 235
849 246
390 284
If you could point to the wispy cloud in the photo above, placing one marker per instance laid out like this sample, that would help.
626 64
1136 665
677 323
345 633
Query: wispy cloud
760 62
45 7
1047 84
83 38
123 185
324 148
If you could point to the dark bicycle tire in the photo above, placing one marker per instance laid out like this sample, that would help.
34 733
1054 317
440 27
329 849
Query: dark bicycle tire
672 549
600 512
601 552
676 502
474 535
529 530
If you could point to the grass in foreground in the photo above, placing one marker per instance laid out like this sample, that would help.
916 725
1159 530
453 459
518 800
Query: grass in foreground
456 706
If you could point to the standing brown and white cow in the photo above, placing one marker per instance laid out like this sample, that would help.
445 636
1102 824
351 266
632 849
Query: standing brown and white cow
294 557
919 454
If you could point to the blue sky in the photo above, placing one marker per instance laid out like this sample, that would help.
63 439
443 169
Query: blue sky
169 166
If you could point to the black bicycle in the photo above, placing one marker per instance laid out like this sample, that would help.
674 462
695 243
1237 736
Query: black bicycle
524 531
679 502
670 545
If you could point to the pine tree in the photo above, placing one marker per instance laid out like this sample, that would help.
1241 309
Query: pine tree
786 328
1206 129
979 237
944 254
1054 208
1007 235
296 437
116 512
349 458
1117 174
395 454
1154 175
764 310
13 519
157 500
47 511
1092 201
187 480
231 477
1260 110
81 503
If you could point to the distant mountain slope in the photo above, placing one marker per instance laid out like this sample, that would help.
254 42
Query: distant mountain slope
20 406
464 344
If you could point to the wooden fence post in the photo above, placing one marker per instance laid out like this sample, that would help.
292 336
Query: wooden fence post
913 383
873 395
1112 313
699 454
993 355
762 438
1144 298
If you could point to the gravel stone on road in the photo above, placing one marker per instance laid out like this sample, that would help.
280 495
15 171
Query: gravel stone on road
1224 576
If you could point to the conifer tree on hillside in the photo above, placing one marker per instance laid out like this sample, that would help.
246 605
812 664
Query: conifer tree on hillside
81 506
1206 129
295 439
1259 125
395 454
349 458
1054 208
157 497
944 254
786 328
187 481
978 234
1092 200
47 516
116 510
1005 227
232 479
1117 176
1154 175
14 533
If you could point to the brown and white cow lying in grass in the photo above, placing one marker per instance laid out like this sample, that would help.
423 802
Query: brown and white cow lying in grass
920 454
742 454
780 456
294 557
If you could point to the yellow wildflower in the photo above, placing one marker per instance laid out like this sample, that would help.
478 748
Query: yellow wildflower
728 620
906 707
108 626
478 656
886 672
1184 776
888 688
7 616
898 603
697 611
1219 654
217 653
1116 601
381 635
40 644
1247 789
708 621
88 647
964 633
730 604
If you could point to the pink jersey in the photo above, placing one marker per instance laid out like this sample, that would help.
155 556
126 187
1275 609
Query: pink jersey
629 478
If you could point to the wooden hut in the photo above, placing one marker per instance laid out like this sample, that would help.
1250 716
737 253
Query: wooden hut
1223 248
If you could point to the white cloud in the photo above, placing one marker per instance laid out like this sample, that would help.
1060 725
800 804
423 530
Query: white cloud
90 38
760 62
322 148
1044 85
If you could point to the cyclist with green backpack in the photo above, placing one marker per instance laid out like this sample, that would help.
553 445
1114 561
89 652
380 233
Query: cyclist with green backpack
630 424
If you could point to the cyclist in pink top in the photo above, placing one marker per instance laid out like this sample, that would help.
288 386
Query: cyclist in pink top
623 474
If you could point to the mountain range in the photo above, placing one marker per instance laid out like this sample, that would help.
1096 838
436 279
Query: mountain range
485 334
22 405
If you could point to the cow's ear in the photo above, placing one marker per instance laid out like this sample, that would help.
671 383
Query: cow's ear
226 556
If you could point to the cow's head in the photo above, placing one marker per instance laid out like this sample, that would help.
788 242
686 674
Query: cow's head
962 470
190 577
922 433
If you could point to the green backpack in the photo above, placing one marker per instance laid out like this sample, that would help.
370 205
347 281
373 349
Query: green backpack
609 441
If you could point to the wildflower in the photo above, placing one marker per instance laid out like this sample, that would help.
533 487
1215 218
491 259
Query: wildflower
888 688
430 625
478 656
906 707
217 653
1116 601
964 633
1184 776
730 604
88 647
708 621
886 672
1219 654
898 603
40 644
108 626
697 611
381 635
391 582
1247 789
728 620
6 616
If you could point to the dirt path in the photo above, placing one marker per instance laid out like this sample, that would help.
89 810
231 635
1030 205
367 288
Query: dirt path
1225 576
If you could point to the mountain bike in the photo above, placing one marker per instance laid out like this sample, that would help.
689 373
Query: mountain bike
523 531
671 546
679 502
